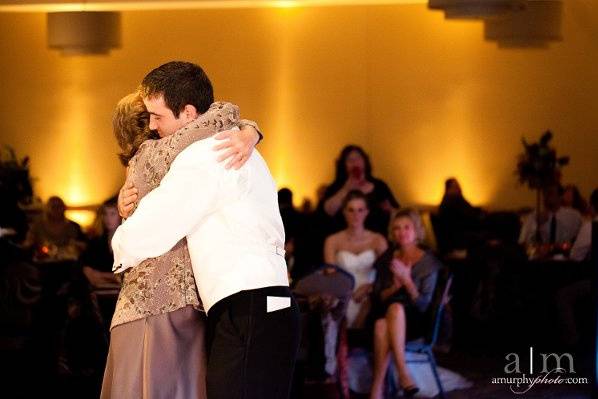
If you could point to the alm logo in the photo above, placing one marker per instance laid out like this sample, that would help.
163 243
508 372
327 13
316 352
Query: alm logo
546 368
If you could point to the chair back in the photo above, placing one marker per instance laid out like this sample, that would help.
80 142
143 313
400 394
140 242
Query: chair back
323 280
444 300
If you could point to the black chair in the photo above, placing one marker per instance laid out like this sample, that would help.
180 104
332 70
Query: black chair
426 347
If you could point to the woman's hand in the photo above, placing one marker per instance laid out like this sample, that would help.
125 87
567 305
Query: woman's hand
353 184
362 292
237 146
126 200
402 276
400 270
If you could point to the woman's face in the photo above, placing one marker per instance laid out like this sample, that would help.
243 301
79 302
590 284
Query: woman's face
355 212
355 164
403 231
110 218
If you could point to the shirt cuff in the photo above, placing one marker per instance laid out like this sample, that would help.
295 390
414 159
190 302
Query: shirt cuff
246 122
122 261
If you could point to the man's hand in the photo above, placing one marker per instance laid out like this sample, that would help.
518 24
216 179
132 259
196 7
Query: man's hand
126 200
237 147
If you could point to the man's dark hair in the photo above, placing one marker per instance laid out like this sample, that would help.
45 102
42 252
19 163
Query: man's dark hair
180 83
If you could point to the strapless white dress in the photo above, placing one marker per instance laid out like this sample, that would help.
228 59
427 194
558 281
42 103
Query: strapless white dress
361 267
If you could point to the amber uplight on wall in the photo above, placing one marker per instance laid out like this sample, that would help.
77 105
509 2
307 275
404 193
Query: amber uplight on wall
427 97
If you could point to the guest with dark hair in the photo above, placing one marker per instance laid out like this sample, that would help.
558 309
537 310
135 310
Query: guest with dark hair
457 219
578 294
54 237
402 294
15 189
354 172
558 224
291 219
355 250
97 259
290 215
572 198
583 243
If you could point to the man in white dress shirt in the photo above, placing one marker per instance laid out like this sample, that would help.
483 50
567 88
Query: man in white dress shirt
579 293
236 239
583 243
558 224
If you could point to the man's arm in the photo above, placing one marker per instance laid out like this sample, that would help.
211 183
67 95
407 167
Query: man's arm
236 147
583 243
195 186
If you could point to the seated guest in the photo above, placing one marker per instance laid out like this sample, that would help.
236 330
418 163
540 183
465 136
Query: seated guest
54 237
355 250
354 172
291 221
456 216
578 295
572 198
402 294
558 224
291 217
583 243
97 259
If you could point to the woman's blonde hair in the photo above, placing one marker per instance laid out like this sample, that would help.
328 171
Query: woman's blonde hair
130 124
413 215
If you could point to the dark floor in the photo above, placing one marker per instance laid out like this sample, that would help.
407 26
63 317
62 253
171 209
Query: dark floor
480 369
477 367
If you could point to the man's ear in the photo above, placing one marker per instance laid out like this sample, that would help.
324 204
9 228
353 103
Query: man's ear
189 112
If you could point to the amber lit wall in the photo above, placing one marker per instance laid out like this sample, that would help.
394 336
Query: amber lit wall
428 98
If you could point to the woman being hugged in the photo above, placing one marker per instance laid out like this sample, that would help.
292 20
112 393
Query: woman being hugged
402 294
157 346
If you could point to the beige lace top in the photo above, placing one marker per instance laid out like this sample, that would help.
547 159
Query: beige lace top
166 283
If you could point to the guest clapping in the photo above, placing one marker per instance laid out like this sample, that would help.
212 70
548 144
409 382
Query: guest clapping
354 172
402 294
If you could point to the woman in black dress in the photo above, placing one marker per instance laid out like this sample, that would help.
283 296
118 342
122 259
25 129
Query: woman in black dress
354 172
403 291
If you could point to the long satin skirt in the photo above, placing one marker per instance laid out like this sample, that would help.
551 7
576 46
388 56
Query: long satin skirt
159 357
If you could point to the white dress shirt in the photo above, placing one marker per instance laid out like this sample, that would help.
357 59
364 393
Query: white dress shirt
568 222
583 243
230 218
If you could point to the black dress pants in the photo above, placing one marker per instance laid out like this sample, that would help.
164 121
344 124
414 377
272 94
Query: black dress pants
252 345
